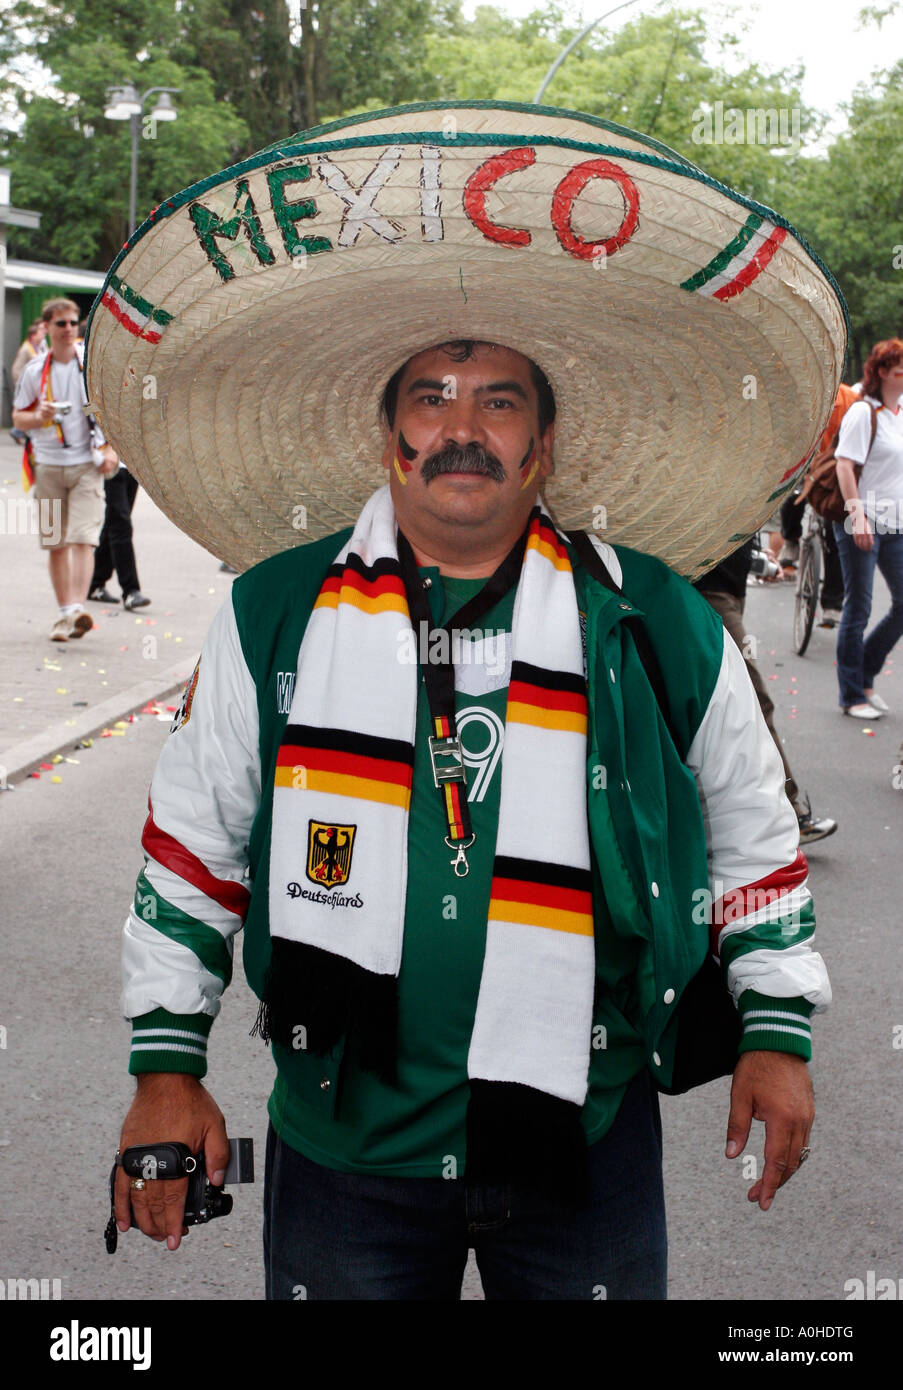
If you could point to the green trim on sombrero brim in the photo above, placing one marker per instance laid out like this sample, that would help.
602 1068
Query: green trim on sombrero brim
558 111
285 149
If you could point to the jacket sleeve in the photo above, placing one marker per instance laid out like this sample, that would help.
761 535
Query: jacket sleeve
762 920
192 895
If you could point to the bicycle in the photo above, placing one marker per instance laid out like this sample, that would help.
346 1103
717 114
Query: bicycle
808 578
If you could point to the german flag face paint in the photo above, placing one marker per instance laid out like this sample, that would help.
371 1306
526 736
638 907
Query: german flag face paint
528 465
404 458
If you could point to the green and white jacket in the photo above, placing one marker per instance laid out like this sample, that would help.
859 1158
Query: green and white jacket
697 846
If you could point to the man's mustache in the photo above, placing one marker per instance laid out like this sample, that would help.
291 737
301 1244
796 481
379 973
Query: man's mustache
462 458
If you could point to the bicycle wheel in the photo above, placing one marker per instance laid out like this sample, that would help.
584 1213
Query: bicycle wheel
807 583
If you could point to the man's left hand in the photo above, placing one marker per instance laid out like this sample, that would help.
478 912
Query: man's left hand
110 464
774 1087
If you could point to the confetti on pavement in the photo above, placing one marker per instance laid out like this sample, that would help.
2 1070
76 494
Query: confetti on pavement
56 779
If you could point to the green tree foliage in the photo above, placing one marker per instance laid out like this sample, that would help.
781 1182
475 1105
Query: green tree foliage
68 160
849 206
650 74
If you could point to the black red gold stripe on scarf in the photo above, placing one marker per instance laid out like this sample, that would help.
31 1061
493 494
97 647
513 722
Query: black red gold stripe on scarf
547 699
344 763
372 588
45 388
532 893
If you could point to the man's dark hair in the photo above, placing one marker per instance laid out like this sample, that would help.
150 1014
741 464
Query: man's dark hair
459 350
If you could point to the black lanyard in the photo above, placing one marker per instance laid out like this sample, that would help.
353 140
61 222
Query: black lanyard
446 754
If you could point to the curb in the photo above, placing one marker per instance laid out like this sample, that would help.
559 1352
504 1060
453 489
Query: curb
22 758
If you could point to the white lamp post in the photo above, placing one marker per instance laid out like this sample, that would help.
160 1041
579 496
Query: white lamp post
572 45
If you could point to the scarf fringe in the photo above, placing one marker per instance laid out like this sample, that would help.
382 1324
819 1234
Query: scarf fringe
329 996
517 1134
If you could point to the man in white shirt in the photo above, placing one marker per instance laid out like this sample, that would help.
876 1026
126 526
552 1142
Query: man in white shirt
70 458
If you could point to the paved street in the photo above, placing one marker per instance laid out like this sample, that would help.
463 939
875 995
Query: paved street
71 851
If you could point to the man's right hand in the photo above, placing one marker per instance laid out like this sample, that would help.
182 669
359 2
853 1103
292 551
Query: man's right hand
169 1107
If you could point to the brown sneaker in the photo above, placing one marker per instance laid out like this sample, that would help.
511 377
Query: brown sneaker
80 623
60 630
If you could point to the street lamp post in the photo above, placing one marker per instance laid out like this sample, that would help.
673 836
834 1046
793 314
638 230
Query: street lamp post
124 104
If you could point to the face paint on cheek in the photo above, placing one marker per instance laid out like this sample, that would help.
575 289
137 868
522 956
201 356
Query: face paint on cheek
404 458
528 465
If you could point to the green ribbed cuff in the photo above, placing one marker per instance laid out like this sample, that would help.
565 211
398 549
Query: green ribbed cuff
162 1041
775 1025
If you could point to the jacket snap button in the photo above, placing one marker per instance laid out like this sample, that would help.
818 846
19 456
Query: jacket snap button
669 996
325 1084
625 606
654 889
611 672
656 1059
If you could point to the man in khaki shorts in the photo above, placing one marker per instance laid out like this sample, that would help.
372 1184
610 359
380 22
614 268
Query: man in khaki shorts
70 459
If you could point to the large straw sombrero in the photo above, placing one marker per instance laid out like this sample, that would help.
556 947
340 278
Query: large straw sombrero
238 351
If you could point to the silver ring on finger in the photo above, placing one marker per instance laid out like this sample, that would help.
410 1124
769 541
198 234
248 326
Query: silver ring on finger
804 1154
137 1184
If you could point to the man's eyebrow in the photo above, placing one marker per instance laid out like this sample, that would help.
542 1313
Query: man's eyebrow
497 387
494 388
424 383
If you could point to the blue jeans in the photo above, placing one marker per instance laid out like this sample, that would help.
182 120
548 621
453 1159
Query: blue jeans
332 1235
858 660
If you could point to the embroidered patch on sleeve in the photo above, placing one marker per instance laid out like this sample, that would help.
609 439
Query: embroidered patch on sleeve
184 712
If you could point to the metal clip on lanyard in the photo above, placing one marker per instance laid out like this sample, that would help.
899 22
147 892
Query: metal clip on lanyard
446 753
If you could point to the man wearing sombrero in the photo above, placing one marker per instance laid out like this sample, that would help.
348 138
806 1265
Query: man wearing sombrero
480 792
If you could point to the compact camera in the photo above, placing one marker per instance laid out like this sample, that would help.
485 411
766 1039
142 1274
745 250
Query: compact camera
203 1201
61 408
762 565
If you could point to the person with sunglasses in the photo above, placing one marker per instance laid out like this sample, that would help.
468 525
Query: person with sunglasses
69 459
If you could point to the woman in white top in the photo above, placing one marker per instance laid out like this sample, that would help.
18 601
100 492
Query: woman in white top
872 533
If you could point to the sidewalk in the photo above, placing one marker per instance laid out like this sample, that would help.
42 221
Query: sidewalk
54 694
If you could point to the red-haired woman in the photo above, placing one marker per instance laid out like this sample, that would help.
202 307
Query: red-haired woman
872 533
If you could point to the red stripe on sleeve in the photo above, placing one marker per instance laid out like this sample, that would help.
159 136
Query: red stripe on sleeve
752 896
160 845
